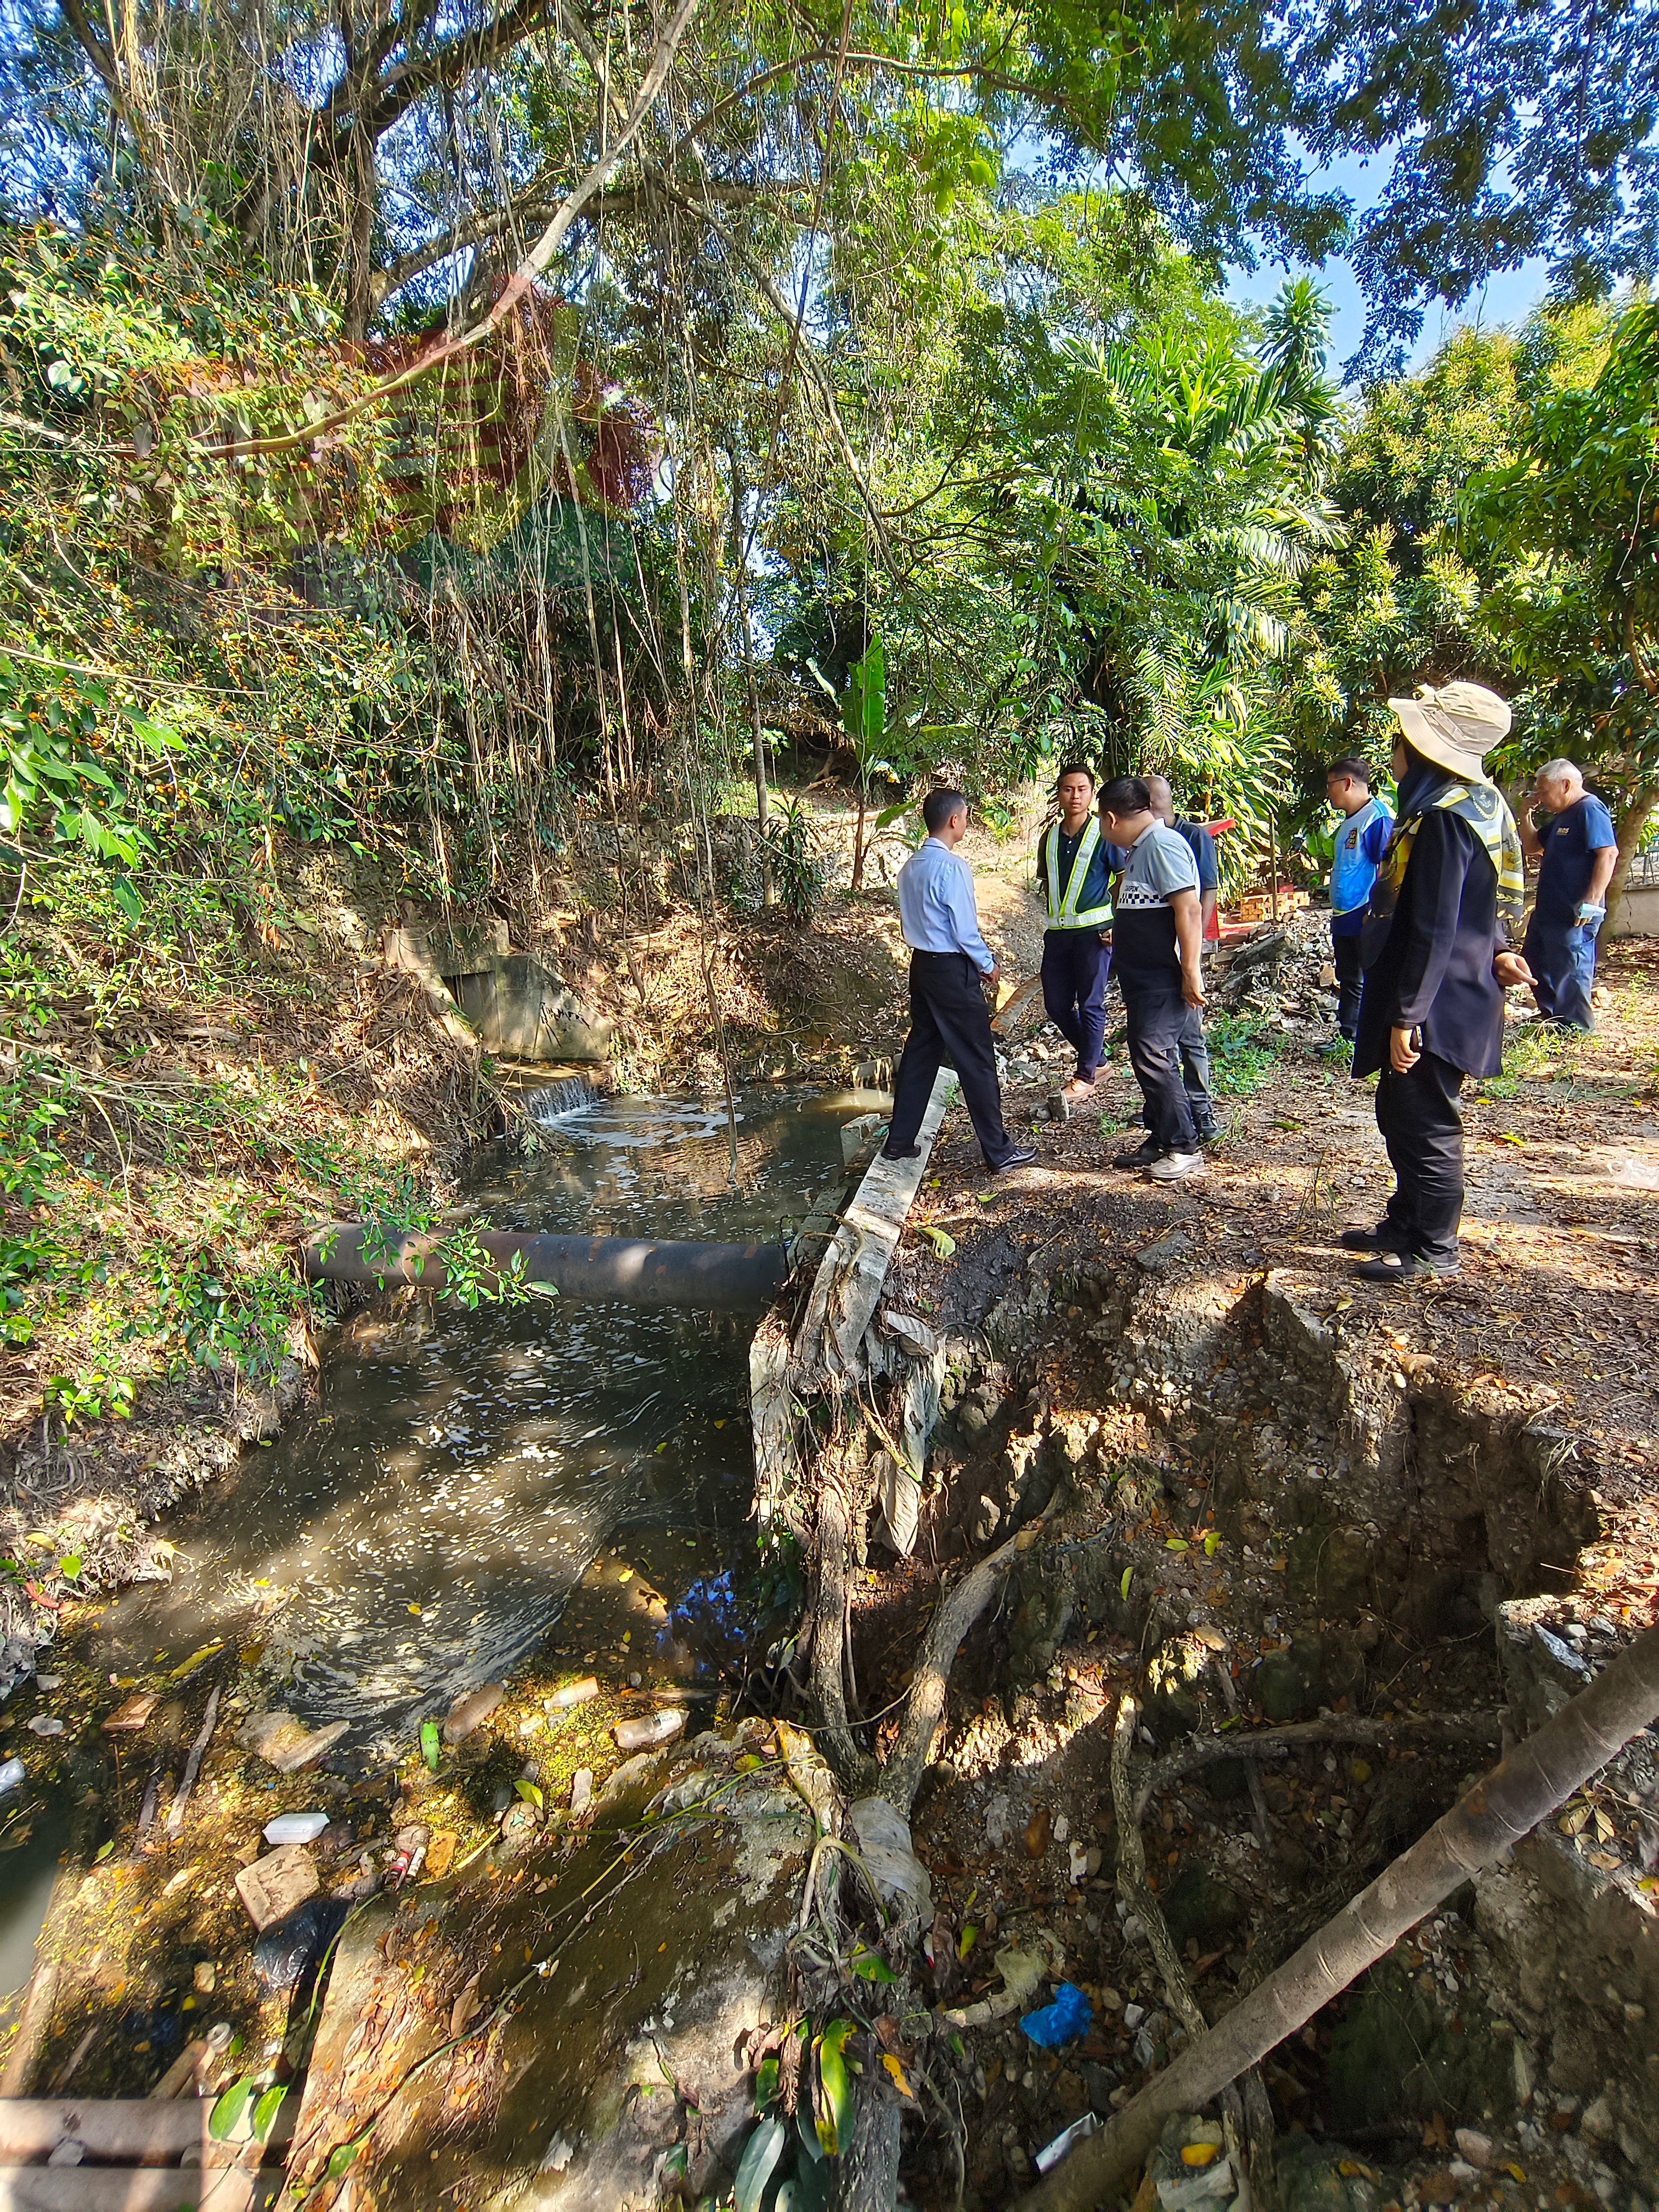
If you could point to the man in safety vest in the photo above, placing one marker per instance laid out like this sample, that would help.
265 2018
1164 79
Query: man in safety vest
1077 946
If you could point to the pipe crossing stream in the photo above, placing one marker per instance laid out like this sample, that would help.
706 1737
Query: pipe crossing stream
421 1527
421 1524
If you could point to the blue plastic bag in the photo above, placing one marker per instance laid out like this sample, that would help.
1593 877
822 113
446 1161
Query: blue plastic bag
1068 2016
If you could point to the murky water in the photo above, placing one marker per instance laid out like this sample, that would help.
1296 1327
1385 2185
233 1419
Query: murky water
421 1527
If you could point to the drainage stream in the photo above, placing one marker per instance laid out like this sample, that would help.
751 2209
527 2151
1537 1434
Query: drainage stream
463 1480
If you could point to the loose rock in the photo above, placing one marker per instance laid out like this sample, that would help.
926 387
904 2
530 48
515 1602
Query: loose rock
273 1886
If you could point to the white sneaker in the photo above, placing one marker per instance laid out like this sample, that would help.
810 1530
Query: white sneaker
1176 1167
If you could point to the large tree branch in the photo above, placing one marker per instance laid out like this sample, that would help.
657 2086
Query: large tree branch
700 125
1539 1775
97 51
533 265
530 209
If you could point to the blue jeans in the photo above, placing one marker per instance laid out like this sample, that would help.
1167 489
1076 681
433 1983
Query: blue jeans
1562 956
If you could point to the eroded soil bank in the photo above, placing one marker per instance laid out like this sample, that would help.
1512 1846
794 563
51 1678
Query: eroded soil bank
1255 1497
1410 1524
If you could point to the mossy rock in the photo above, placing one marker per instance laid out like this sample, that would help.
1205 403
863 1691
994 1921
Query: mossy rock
1400 2050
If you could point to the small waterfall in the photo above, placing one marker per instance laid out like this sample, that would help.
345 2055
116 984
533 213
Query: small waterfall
551 1102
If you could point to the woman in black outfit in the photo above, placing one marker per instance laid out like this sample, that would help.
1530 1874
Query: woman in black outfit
1437 959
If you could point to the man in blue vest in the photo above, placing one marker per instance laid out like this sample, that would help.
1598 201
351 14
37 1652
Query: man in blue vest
1077 946
1576 857
1361 841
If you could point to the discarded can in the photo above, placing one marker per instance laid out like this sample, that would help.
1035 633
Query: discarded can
295 1827
660 1727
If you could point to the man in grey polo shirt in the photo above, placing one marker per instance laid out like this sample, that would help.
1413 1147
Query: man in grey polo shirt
1158 939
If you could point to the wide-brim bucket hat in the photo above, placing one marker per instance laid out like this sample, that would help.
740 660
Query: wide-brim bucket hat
1455 726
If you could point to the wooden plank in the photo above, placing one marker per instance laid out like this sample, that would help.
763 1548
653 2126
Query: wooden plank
128 2188
876 1220
848 1283
32 2027
142 2130
357 1963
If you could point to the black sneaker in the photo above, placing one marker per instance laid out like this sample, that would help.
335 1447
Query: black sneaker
905 1152
1385 1238
1404 1268
1142 1156
1022 1159
1208 1131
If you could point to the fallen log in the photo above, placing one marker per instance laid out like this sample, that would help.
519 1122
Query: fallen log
1536 1778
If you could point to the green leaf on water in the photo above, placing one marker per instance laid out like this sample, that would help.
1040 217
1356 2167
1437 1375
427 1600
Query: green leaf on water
432 1749
761 2154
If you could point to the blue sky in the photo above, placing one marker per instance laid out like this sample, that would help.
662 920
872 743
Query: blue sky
1508 297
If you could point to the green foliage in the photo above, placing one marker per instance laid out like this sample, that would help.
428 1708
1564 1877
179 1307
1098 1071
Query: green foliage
1243 1054
1575 517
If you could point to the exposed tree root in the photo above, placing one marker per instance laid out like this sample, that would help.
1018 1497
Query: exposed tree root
1250 1744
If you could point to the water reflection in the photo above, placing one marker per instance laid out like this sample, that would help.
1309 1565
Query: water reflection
420 1530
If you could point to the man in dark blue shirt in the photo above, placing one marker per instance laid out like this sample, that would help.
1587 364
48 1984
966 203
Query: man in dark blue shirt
1575 855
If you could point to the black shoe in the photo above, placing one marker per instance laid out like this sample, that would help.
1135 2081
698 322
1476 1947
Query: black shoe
1385 1238
1022 1159
1142 1156
1208 1131
1404 1268
906 1153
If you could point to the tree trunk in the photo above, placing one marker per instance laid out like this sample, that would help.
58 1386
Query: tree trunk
360 238
740 586
1632 823
1525 1788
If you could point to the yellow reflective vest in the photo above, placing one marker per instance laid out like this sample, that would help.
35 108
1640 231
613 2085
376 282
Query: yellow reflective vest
1064 913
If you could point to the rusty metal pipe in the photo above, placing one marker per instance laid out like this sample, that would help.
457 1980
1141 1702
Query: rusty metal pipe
635 1270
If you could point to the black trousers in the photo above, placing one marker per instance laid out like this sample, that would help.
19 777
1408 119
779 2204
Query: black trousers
1423 1127
1075 967
1345 955
1156 1015
948 1020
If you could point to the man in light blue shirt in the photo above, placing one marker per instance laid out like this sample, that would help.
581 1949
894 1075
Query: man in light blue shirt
949 1019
